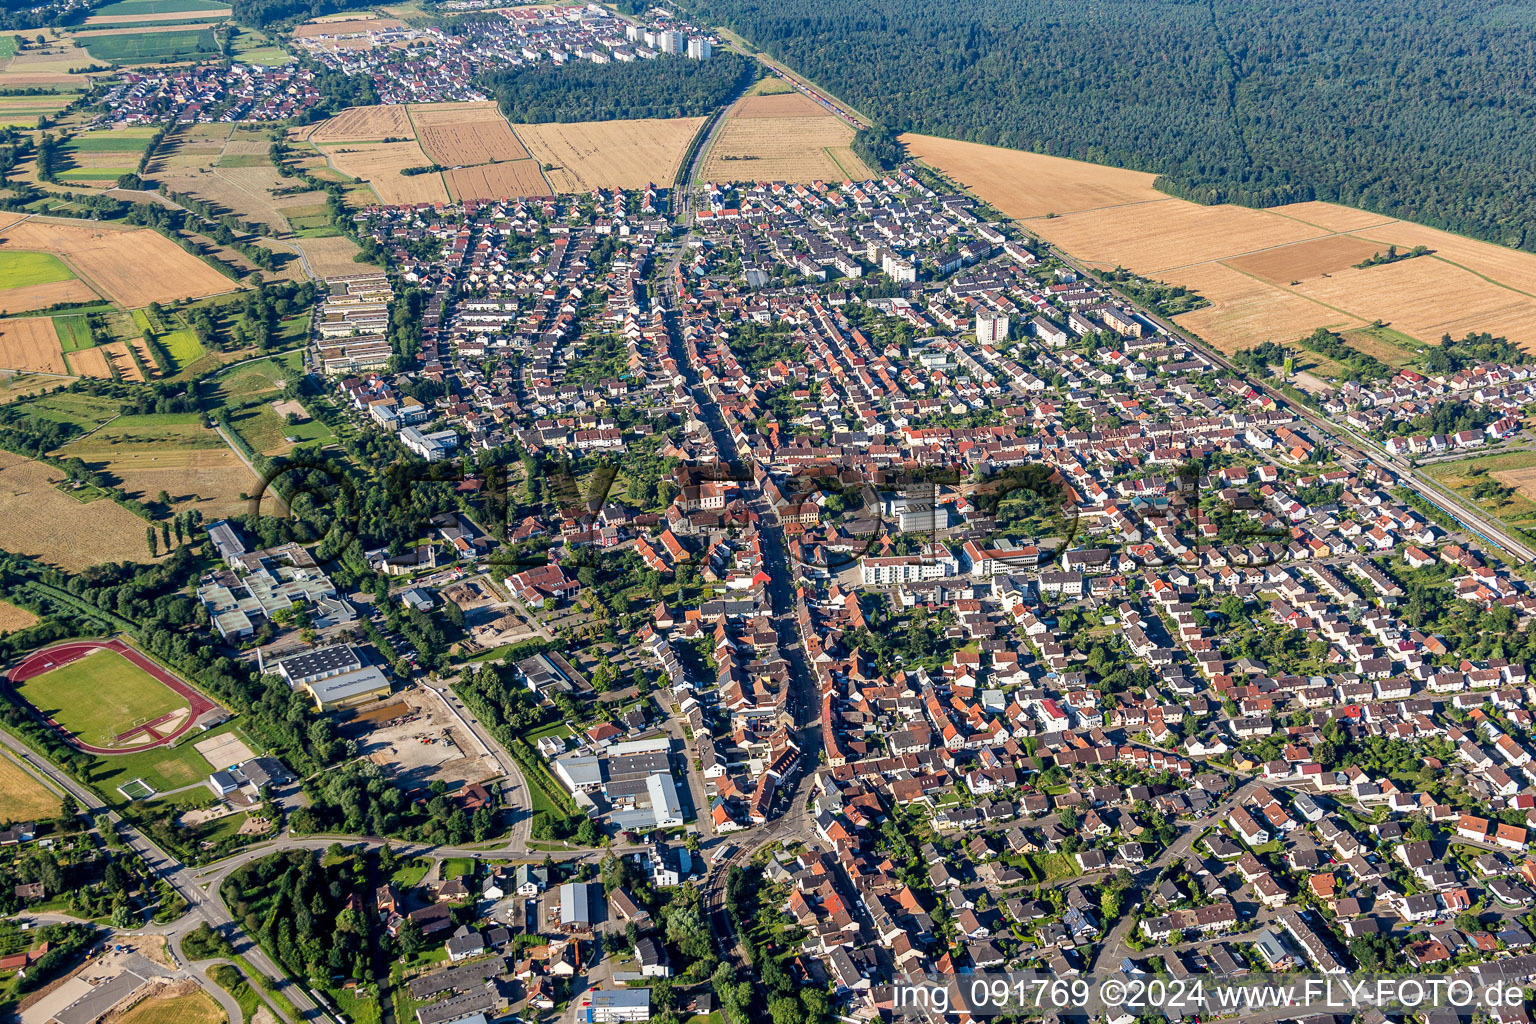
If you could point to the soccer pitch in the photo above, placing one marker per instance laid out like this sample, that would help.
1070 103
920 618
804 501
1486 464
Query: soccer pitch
99 697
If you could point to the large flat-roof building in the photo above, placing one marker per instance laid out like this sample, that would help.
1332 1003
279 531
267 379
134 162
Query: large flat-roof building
605 1006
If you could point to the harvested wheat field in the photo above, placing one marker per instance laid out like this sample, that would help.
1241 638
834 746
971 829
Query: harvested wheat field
1245 311
91 362
140 19
1509 267
497 181
1154 237
16 386
1024 185
1331 216
31 343
132 267
360 124
41 296
180 1003
1303 260
784 104
473 142
611 154
134 30
13 618
41 521
380 164
121 359
22 797
1522 480
1427 297
802 149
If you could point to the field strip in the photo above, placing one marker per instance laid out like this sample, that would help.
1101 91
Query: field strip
1087 209
264 200
1287 290
1458 266
1254 252
1323 227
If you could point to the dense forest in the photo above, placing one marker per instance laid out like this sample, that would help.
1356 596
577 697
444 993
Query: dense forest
1414 108
582 91
261 13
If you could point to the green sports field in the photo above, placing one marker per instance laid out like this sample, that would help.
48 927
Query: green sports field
22 269
99 697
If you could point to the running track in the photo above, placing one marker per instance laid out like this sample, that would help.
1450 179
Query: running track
50 658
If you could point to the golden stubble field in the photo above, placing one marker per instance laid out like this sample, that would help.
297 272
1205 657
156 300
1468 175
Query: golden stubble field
132 267
462 134
801 147
610 154
31 343
1271 275
41 521
22 797
210 478
364 124
497 181
380 164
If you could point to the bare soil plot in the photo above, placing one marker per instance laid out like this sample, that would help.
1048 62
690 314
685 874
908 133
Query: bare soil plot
1331 216
357 124
1153 237
783 149
132 267
1246 311
41 296
1024 185
39 520
611 154
380 164
1305 259
224 750
497 181
31 343
785 104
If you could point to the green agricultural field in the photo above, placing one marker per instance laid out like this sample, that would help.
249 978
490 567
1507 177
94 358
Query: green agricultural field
126 140
136 7
74 332
84 411
94 173
100 697
21 269
7 45
150 47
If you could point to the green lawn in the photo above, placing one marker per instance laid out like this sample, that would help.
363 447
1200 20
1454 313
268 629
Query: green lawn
1051 867
164 768
22 269
100 696
410 874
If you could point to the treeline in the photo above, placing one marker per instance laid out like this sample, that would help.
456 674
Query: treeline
261 13
1231 101
1451 356
878 147
667 86
1358 366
